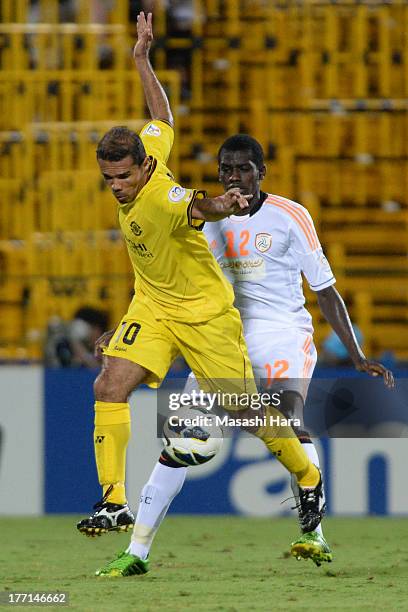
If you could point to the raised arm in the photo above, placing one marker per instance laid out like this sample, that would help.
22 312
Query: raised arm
215 209
335 312
156 97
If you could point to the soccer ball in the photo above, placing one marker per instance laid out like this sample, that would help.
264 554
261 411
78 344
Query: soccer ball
191 436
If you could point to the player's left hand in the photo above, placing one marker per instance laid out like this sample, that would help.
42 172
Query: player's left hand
373 368
144 35
102 342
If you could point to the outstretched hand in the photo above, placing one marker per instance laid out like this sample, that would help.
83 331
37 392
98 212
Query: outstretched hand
373 368
234 202
144 35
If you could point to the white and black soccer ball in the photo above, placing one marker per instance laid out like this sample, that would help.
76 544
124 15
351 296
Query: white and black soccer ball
192 436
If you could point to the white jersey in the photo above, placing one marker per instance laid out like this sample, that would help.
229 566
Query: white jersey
264 257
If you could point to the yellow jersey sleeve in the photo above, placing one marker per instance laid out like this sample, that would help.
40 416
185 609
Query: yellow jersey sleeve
157 137
174 206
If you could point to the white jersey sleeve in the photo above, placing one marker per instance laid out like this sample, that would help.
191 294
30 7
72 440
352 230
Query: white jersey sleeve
309 253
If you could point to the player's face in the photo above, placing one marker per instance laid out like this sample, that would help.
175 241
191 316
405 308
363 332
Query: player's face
124 177
236 169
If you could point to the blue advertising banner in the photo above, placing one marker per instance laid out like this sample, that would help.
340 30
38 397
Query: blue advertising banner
362 475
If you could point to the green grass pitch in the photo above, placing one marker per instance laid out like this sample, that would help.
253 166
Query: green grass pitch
212 563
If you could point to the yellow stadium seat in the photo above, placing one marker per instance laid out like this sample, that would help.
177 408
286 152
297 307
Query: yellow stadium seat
323 86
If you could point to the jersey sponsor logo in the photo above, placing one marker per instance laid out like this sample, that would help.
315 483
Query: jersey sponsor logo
176 193
136 229
152 130
263 242
139 248
243 269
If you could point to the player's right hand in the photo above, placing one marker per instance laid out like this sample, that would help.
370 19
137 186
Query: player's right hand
144 35
234 202
102 342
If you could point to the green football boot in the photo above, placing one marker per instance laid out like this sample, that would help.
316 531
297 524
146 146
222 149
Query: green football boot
125 564
312 546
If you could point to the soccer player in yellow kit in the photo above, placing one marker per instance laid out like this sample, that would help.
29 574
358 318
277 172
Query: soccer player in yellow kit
182 304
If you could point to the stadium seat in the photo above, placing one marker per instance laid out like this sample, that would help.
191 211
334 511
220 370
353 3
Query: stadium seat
322 86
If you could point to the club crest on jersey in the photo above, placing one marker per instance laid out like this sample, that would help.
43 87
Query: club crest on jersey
152 130
176 193
136 229
263 242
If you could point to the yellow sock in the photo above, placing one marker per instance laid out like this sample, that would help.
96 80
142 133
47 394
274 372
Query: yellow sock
112 434
309 477
282 442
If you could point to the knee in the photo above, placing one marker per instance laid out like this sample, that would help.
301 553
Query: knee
100 387
292 407
107 389
117 380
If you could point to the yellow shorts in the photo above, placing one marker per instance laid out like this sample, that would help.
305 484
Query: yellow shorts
215 350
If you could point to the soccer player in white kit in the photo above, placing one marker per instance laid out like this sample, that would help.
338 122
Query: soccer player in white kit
264 254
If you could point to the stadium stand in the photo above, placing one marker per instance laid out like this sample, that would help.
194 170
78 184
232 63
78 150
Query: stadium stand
323 86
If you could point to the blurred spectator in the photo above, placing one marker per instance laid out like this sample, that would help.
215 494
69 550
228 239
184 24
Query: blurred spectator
72 344
45 12
334 353
99 10
180 16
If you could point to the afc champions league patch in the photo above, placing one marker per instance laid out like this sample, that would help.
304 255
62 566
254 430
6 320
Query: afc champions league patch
263 242
152 130
176 193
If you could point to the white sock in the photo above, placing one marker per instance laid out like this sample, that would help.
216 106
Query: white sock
311 452
157 494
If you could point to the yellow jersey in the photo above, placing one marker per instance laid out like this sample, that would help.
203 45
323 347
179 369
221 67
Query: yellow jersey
176 273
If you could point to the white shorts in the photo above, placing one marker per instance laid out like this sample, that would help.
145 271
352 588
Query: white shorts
285 356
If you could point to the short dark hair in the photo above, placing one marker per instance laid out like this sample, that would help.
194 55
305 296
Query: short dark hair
118 143
93 316
244 142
